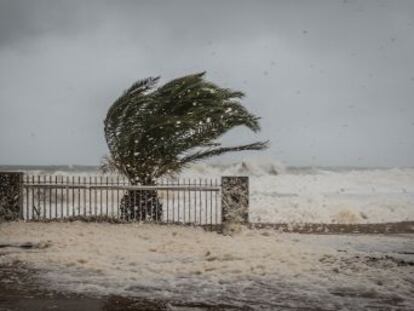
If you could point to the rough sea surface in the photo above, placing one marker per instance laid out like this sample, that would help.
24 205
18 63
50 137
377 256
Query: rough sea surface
292 195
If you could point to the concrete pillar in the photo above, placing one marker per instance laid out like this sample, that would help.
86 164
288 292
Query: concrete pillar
11 196
235 202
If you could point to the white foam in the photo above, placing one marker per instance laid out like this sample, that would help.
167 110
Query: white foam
188 263
280 195
325 196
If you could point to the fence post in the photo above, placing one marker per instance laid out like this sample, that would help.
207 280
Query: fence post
11 196
235 202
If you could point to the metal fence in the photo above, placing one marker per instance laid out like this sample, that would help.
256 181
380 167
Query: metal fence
185 201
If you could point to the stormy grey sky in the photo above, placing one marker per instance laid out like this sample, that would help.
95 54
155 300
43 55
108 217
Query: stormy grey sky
332 80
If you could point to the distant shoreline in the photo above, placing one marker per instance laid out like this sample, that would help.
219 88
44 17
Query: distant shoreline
94 168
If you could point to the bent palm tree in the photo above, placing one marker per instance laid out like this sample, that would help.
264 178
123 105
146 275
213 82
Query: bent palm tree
153 132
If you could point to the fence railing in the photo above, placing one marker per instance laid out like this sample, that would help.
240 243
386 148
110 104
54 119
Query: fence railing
207 202
186 201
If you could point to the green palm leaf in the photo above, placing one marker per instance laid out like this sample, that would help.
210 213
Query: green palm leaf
151 132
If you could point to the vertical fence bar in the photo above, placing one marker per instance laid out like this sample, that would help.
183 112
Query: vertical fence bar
34 195
50 196
39 207
23 208
23 194
84 197
173 207
117 197
27 198
149 206
72 190
26 189
91 200
217 208
195 201
135 211
56 198
95 191
67 196
24 202
129 212
101 201
156 205
184 202
211 205
106 194
189 200
59 192
33 202
148 214
159 207
90 196
96 196
206 205
24 205
20 195
79 196
47 191
38 198
98 199
112 197
140 211
44 193
132 205
168 200
178 202
200 202
62 196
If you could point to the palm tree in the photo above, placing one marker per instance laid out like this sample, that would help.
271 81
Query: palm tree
153 132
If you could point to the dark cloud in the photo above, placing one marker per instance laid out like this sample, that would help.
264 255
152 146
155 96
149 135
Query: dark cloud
332 79
27 20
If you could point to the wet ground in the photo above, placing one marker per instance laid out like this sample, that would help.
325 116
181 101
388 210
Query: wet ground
337 272
20 289
380 228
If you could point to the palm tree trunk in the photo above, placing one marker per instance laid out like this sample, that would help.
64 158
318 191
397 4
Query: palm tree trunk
141 205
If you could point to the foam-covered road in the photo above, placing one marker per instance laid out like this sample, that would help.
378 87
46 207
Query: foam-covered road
190 268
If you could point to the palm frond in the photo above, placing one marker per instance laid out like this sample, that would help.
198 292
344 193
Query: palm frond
202 155
150 131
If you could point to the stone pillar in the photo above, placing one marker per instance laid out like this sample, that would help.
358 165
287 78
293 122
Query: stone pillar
11 196
235 202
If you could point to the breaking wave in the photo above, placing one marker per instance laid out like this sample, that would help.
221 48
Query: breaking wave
249 167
